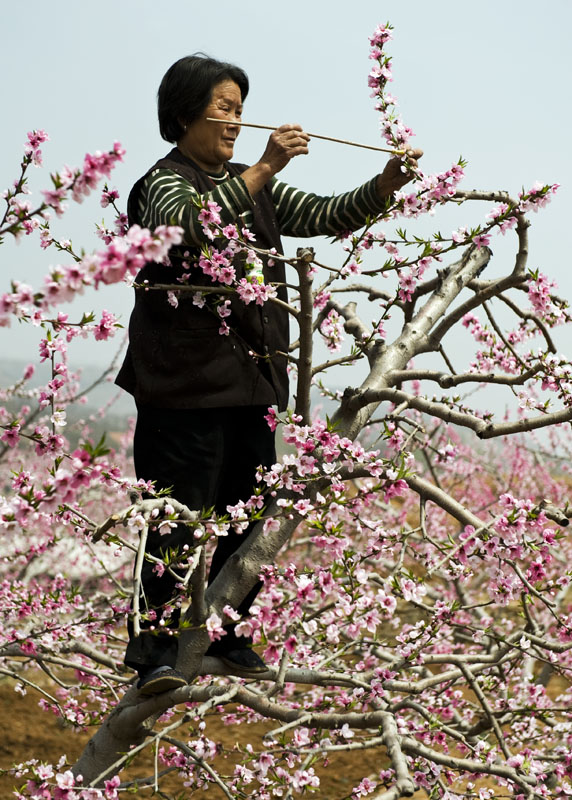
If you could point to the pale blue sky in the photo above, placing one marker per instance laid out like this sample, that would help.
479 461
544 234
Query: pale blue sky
487 80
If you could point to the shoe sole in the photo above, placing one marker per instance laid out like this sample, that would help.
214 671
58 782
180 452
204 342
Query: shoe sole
162 684
244 670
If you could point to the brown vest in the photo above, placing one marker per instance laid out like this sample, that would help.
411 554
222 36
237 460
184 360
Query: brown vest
176 357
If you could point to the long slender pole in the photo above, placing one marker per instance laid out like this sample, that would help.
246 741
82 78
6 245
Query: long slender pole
312 135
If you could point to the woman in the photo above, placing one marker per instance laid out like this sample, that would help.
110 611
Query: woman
202 397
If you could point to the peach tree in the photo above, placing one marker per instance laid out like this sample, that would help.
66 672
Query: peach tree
412 544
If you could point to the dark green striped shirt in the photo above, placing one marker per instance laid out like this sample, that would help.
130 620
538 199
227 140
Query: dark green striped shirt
167 199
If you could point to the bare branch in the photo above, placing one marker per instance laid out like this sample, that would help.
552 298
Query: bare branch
488 196
527 315
356 399
430 492
413 748
372 294
304 380
336 362
137 583
474 684
447 381
391 740
491 289
501 335
204 765
197 609
530 424
353 324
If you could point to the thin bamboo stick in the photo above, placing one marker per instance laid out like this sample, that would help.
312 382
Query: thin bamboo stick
311 135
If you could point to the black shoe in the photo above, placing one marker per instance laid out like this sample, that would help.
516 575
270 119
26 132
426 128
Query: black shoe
243 660
160 679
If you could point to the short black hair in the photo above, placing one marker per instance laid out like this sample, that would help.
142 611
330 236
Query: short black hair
186 90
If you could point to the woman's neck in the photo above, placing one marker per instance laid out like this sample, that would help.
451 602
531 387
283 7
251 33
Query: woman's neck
210 169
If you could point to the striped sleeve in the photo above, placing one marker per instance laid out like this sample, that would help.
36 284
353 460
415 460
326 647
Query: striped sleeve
168 199
303 214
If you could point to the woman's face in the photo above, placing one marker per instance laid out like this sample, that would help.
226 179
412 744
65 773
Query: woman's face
210 144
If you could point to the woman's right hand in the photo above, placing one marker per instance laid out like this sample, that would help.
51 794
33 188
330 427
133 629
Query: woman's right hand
284 143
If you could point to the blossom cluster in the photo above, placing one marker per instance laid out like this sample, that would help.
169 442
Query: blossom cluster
44 782
429 190
234 246
551 371
32 146
21 218
80 182
332 328
122 258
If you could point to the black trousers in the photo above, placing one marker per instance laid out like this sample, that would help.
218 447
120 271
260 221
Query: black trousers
209 458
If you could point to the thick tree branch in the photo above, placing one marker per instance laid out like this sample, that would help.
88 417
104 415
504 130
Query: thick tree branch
484 430
353 324
447 381
391 740
413 339
492 289
440 410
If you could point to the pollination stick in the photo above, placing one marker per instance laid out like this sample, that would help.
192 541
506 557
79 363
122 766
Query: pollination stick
311 135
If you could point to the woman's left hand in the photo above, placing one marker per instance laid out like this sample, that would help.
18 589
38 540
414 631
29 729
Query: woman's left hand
393 177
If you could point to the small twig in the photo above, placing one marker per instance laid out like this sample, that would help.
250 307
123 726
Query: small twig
501 336
107 572
474 684
21 679
335 656
77 513
137 581
279 684
311 135
528 316
204 765
436 567
156 767
140 783
295 723
334 362
431 469
446 360
101 530
522 577
194 562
